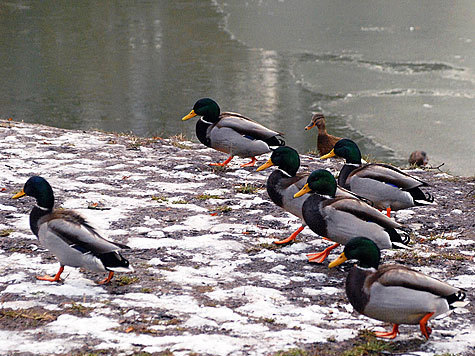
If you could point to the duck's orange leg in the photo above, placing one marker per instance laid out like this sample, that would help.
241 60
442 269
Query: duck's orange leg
388 212
56 278
388 334
291 237
426 331
321 256
251 163
108 279
225 163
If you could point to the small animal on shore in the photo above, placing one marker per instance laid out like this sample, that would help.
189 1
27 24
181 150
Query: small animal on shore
341 218
386 186
232 133
418 158
394 293
325 141
284 182
66 234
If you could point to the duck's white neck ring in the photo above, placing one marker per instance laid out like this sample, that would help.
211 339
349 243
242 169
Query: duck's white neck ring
371 269
41 207
206 122
288 175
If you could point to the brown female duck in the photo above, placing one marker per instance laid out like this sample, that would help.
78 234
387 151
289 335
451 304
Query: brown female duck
325 141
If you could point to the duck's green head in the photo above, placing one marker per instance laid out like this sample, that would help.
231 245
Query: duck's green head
37 187
206 107
362 249
346 149
320 181
284 157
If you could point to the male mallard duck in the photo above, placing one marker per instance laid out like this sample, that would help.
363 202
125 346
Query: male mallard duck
394 293
341 218
386 186
68 235
325 142
284 183
232 133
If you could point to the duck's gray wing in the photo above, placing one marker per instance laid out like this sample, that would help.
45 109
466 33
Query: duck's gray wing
246 126
361 210
342 192
387 174
400 276
73 230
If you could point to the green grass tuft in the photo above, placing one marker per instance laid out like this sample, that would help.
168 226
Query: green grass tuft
369 345
6 232
159 198
292 352
178 140
247 189
208 196
221 209
126 280
218 169
180 201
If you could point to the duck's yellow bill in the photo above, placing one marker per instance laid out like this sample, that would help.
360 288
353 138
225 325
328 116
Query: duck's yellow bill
19 194
189 116
329 155
265 165
342 258
302 191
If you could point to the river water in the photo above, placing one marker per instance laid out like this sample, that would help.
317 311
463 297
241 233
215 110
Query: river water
395 76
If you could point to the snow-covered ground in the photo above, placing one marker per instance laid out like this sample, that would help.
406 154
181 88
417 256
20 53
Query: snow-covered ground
207 279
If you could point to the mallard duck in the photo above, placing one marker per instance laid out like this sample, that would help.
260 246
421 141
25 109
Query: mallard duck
285 182
387 187
341 218
232 133
325 141
394 293
69 236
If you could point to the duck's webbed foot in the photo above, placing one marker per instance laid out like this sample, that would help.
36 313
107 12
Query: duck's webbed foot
108 279
56 278
321 256
291 237
251 163
388 334
225 163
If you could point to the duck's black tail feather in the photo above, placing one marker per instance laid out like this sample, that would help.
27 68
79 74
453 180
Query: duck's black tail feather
275 141
429 198
399 239
419 197
114 260
459 297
